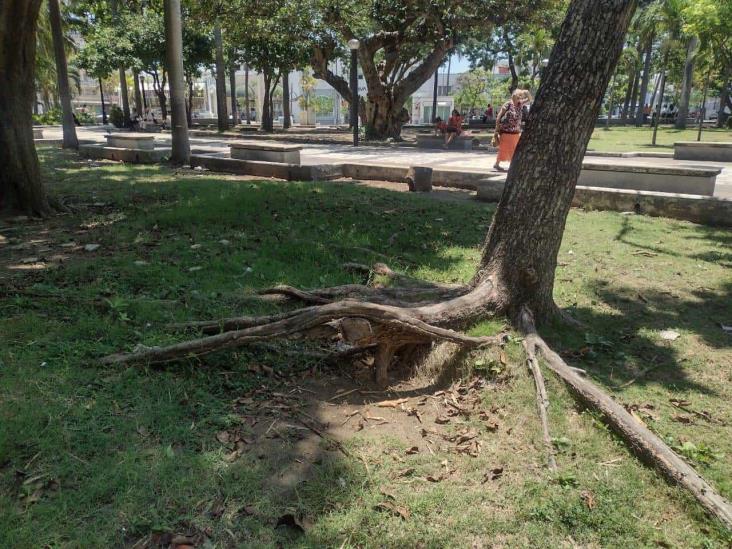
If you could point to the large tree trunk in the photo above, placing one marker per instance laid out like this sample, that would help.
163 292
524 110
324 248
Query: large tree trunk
247 110
101 100
686 84
266 123
644 82
285 99
232 86
520 253
181 150
70 140
21 188
383 117
139 105
223 117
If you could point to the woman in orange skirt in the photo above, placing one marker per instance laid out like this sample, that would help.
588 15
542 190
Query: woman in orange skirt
508 126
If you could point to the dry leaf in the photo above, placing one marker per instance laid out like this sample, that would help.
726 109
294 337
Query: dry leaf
223 437
493 474
391 403
413 450
442 420
389 507
588 498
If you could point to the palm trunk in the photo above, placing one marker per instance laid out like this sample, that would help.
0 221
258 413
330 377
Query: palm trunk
223 117
686 84
232 86
21 188
70 141
181 150
644 82
626 102
520 253
610 107
285 99
660 97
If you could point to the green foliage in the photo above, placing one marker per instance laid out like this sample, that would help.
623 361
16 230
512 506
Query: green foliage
52 116
116 116
473 89
324 104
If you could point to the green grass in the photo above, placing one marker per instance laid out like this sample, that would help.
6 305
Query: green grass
622 139
127 452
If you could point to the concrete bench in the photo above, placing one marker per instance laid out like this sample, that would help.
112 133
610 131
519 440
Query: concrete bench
37 133
462 142
654 179
268 152
701 150
131 141
694 181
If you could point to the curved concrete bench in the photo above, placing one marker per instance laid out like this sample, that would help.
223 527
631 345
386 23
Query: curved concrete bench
268 152
703 150
134 141
462 142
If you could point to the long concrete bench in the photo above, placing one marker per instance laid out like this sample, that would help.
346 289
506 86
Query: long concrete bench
653 179
703 150
677 180
462 142
267 152
134 141
37 133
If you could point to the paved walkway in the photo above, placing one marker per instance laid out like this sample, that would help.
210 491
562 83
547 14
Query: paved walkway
409 156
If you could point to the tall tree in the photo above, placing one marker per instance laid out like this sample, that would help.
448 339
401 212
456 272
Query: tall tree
181 151
122 70
70 140
286 98
402 43
687 81
21 188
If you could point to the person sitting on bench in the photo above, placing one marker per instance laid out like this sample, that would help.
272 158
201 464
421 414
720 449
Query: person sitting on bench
454 127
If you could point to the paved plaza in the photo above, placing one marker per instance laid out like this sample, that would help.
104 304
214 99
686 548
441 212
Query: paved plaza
476 161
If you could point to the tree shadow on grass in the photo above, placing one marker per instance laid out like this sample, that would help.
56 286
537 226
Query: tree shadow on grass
624 347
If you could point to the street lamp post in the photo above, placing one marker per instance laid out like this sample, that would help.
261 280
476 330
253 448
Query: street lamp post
353 46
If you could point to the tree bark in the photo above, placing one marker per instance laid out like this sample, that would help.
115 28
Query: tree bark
70 141
520 253
247 109
223 117
232 87
644 82
686 84
189 105
181 150
21 188
139 105
266 123
101 99
286 99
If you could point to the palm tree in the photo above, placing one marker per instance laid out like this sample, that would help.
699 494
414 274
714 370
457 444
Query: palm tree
181 150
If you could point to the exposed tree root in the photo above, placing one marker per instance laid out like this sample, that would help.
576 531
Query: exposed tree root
356 322
641 440
396 322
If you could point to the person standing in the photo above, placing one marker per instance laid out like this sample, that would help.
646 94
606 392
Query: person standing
508 126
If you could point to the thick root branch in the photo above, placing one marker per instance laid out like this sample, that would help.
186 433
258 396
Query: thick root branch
321 321
644 442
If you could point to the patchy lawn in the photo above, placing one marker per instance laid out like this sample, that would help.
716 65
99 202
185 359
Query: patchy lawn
630 138
226 448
